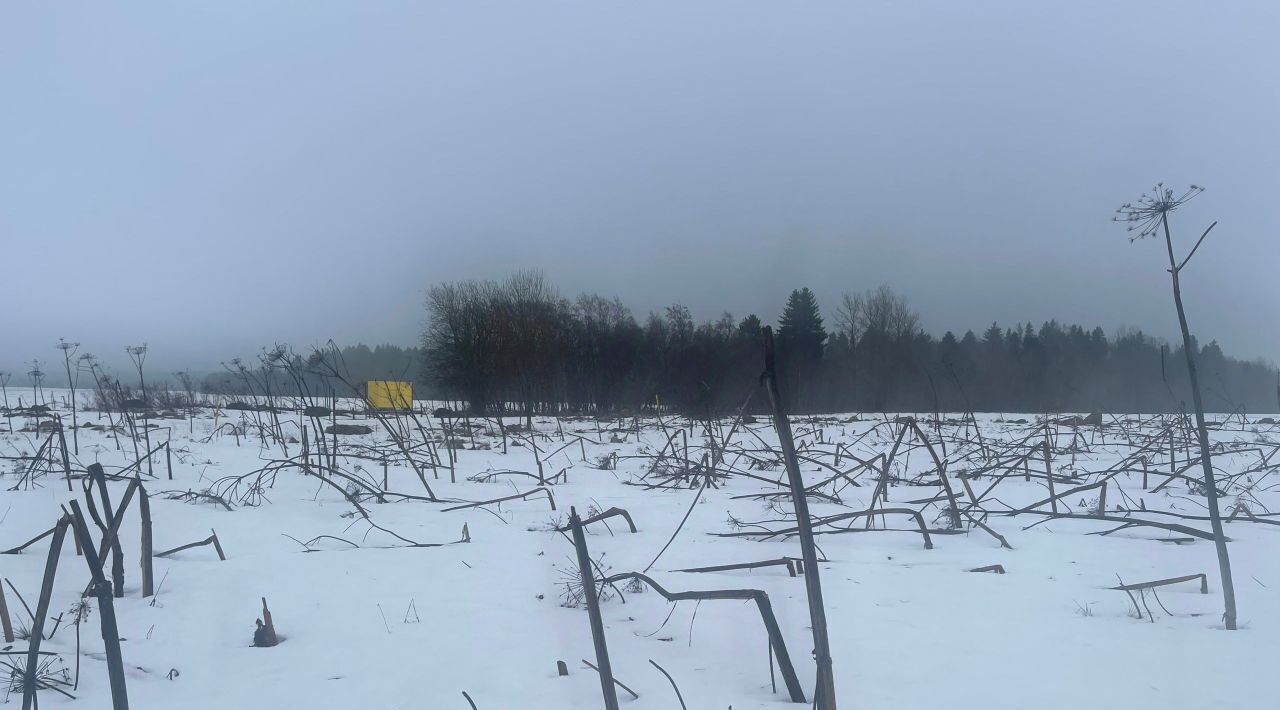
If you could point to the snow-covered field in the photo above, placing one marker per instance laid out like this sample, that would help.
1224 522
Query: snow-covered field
368 621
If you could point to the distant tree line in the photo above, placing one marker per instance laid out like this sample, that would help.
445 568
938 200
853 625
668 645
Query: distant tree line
517 344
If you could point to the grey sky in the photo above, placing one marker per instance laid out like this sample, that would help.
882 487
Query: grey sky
213 177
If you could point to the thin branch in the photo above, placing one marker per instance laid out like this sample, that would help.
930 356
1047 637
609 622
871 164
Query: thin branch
1197 246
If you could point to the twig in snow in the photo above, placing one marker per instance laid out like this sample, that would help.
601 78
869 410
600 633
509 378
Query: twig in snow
673 683
616 682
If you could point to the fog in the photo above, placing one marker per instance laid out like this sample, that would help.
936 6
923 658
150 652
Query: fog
214 177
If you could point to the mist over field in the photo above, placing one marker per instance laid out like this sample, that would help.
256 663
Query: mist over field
213 184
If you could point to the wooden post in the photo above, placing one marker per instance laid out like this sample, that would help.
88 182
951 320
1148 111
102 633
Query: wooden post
533 444
593 611
4 617
144 508
217 545
113 518
825 693
447 428
66 461
1048 472
42 612
106 612
168 459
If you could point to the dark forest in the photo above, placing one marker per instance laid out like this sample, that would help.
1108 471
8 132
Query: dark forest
517 344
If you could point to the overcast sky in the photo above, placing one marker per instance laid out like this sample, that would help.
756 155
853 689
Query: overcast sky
212 177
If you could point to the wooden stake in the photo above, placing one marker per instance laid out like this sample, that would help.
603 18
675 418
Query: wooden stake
42 612
66 461
4 617
825 693
1048 472
106 612
218 545
593 611
144 508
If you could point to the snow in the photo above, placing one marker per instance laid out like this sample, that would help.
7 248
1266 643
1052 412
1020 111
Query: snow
911 628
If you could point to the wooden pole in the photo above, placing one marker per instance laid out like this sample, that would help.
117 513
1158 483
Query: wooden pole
106 612
825 693
217 545
66 461
4 617
144 508
593 611
42 612
1048 471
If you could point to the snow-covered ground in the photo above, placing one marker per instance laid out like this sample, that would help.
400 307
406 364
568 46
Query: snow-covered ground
386 625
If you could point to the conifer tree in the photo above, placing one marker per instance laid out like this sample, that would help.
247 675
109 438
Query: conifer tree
800 329
801 337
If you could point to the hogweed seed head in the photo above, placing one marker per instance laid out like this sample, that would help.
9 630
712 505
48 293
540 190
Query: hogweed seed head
1145 215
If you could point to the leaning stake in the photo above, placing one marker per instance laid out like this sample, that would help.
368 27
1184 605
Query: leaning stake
593 610
106 612
30 682
825 693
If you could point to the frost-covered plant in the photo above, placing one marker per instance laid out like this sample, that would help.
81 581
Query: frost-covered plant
50 674
572 593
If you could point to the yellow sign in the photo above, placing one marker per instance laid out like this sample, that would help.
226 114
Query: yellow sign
390 394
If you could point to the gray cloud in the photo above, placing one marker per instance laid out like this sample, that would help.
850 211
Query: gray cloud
215 177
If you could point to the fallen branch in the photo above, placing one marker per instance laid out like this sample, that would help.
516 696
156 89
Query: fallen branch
612 512
211 540
1125 522
789 564
517 496
776 641
1204 583
18 550
616 682
998 569
673 684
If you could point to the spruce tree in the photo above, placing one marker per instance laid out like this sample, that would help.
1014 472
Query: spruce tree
800 332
